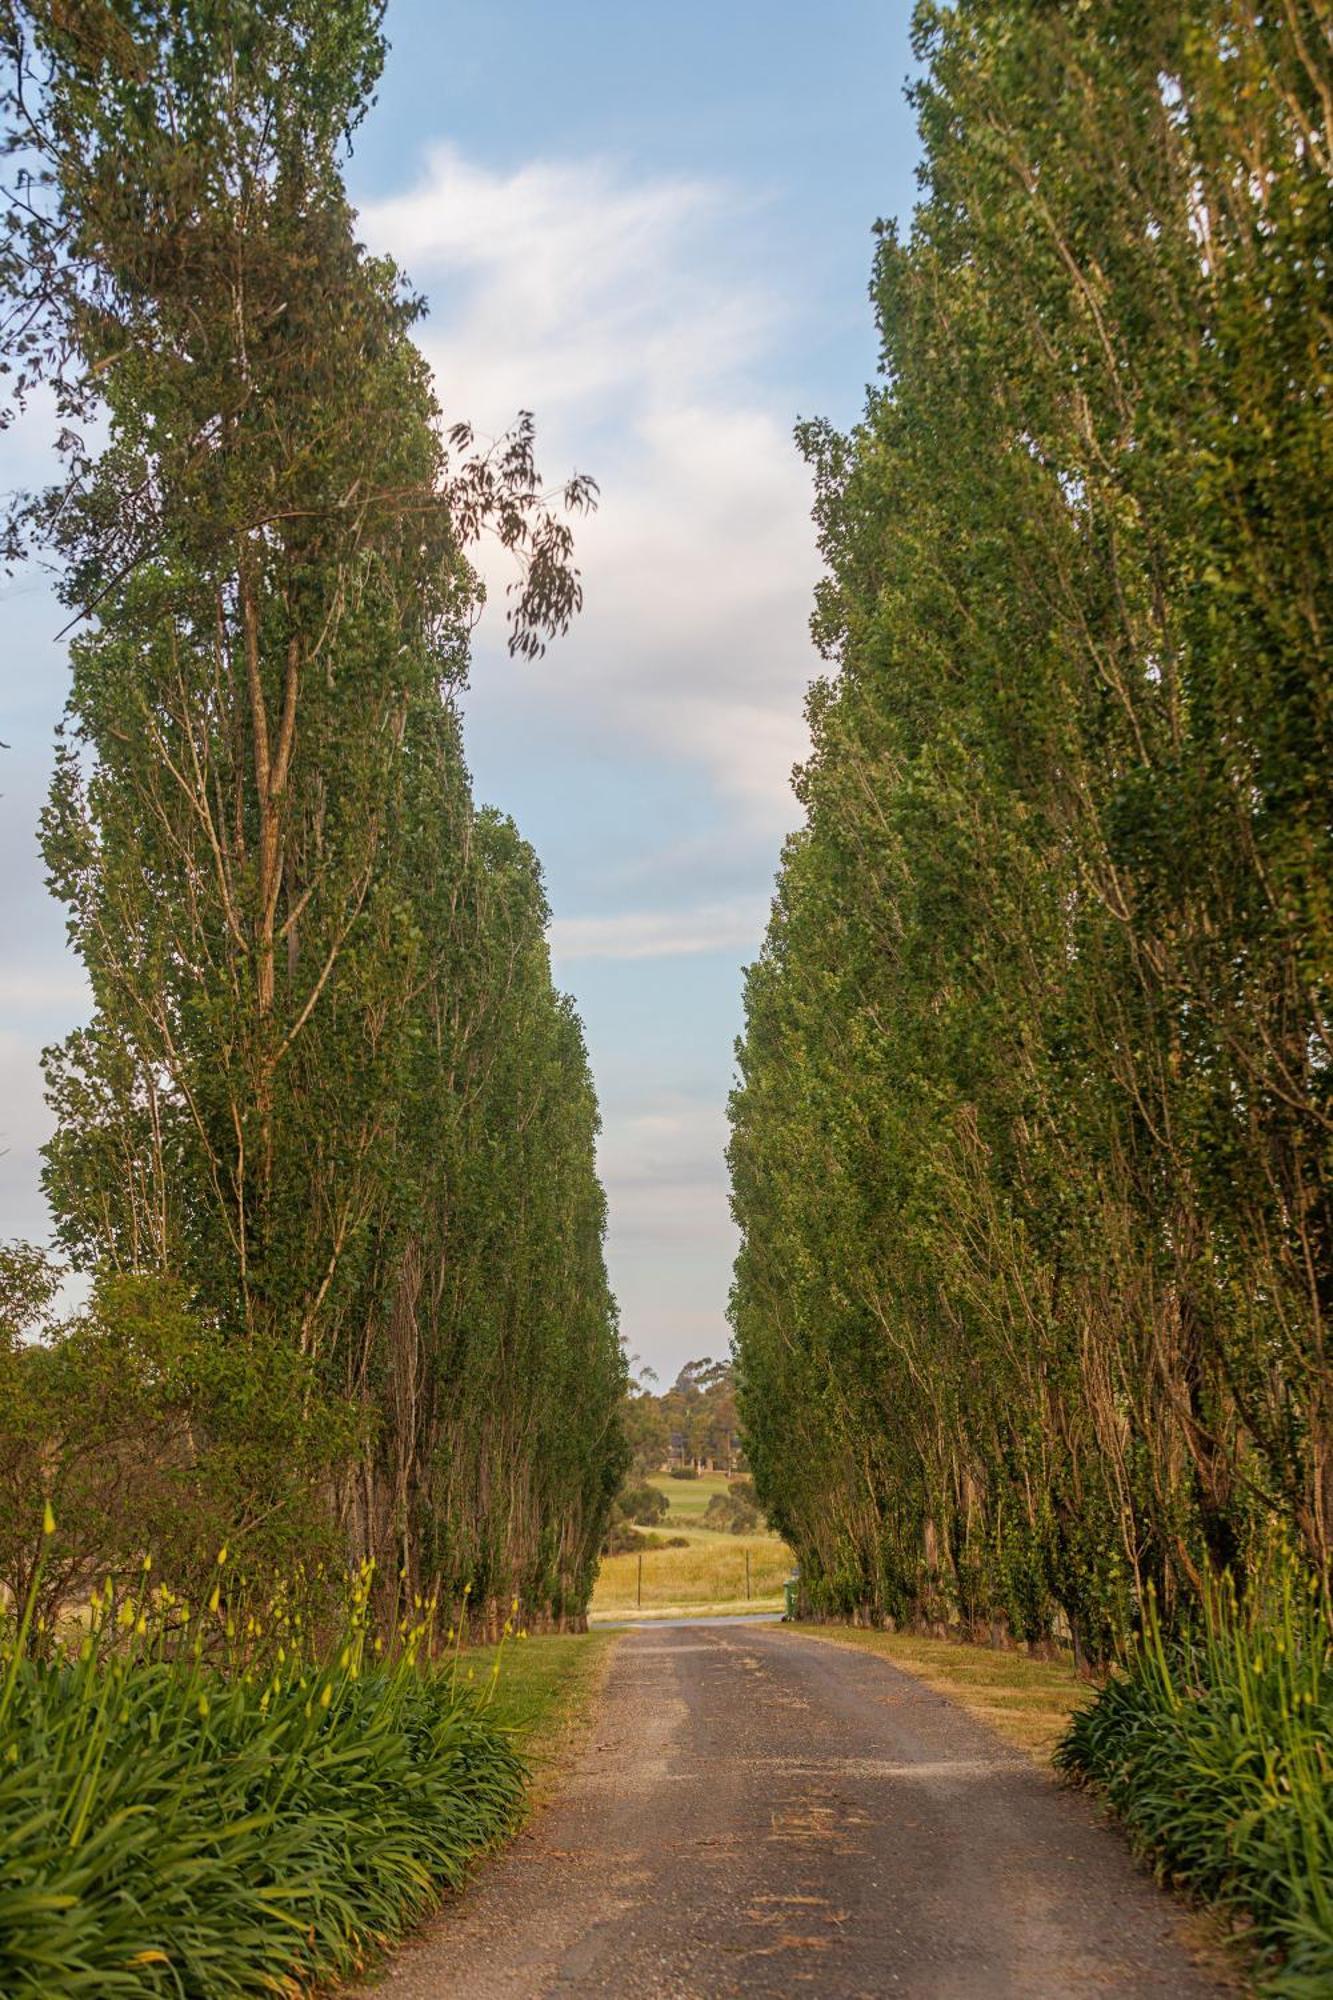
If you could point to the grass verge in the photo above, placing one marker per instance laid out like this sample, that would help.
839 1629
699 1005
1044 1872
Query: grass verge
542 1694
1028 1702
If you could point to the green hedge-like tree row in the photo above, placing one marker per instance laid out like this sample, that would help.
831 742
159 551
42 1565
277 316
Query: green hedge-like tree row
1031 1146
329 1101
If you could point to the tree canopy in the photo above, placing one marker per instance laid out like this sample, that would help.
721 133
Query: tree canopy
1031 1142
328 1093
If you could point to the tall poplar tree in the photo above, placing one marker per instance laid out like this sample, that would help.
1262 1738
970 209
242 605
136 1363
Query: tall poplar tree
1031 1148
297 931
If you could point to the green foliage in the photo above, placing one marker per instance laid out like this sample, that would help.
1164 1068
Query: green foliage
142 1431
1030 1148
635 1506
1216 1749
329 1098
693 1423
735 1512
643 1504
173 1825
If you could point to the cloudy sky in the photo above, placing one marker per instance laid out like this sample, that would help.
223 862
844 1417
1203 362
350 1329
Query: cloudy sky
651 226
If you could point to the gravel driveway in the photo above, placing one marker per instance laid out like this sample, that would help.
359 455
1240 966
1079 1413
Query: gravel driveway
756 1812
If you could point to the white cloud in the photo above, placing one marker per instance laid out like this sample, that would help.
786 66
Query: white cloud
569 284
633 316
735 926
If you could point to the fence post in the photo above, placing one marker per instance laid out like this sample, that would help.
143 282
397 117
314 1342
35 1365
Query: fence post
639 1600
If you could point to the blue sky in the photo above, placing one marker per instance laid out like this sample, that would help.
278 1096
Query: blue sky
652 227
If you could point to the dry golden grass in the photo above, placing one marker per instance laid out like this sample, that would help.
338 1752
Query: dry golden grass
710 1573
707 1576
1028 1702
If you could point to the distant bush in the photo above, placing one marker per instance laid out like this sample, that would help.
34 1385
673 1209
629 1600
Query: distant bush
643 1504
622 1539
684 1472
735 1512
635 1506
1216 1751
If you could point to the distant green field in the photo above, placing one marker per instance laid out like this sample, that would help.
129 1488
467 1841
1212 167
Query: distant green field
688 1498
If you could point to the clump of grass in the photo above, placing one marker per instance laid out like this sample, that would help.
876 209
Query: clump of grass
1216 1750
175 1821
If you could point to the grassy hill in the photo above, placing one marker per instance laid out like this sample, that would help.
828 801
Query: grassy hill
707 1574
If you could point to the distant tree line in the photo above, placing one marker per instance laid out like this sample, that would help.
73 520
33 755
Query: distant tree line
327 1139
1031 1144
690 1426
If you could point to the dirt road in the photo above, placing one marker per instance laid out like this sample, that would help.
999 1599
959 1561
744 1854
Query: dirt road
756 1812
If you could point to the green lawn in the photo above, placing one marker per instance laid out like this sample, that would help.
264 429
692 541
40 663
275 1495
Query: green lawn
687 1498
543 1689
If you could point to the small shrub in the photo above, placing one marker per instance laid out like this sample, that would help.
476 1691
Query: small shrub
177 1821
622 1539
634 1507
734 1513
644 1505
1216 1750
684 1472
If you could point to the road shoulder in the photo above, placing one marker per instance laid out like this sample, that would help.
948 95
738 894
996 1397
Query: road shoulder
1028 1702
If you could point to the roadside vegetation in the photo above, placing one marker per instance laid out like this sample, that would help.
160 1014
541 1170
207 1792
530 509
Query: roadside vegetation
539 1687
324 1147
1215 1747
220 1802
325 1144
1030 1149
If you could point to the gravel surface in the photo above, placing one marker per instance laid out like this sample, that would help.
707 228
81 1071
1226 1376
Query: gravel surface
754 1812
